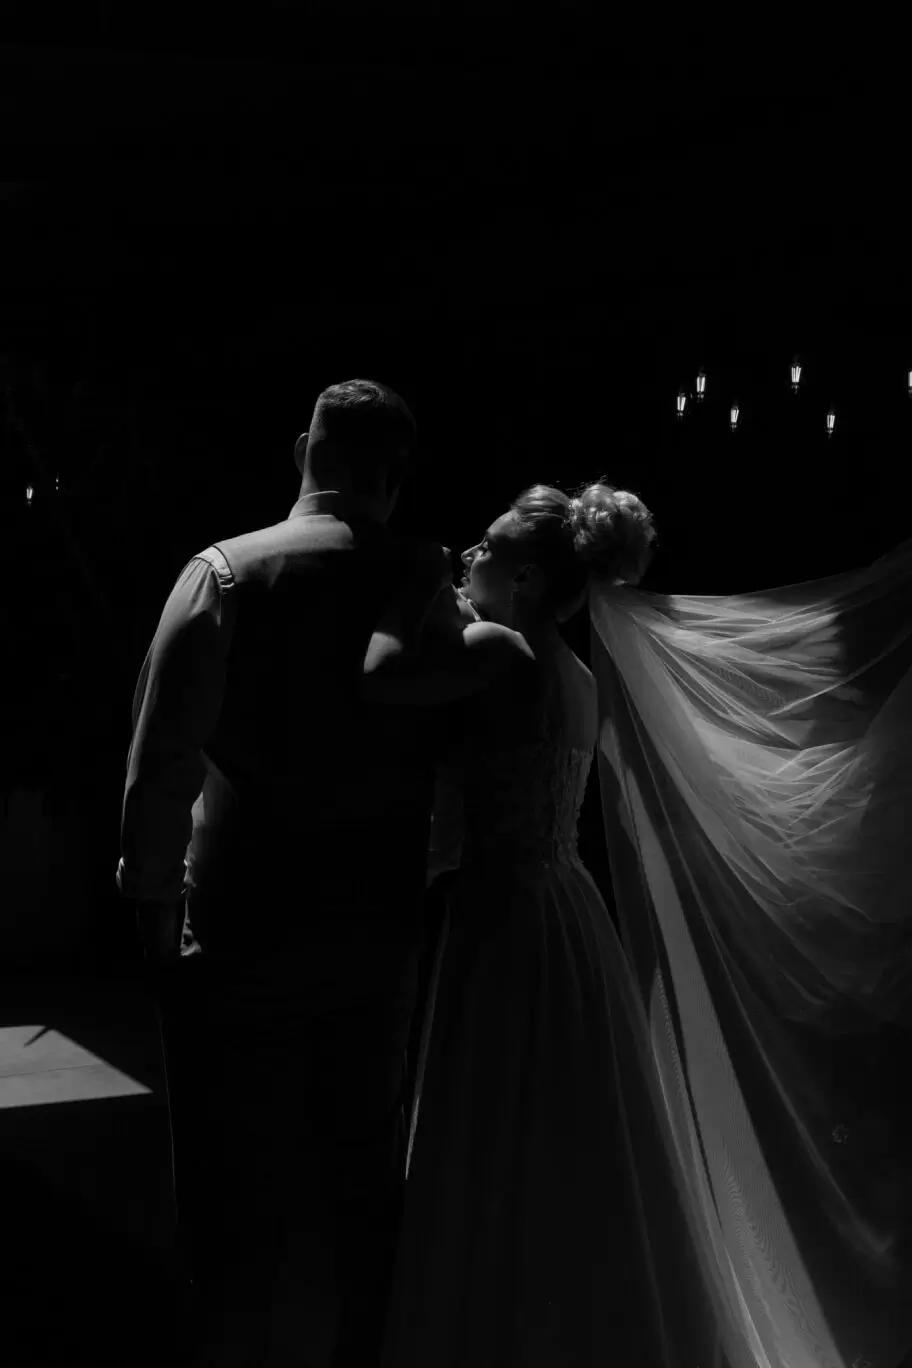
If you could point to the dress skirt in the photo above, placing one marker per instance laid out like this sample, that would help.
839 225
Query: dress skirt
545 1222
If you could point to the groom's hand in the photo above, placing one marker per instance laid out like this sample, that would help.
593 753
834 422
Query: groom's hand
159 927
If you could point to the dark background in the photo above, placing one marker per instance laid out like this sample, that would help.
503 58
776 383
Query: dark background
537 229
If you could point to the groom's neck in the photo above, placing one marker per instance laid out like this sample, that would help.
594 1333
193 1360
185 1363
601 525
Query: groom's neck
337 499
310 487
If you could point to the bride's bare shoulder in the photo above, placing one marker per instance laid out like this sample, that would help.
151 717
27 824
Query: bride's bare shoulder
493 636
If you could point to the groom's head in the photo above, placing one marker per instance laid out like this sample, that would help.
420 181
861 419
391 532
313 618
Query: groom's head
361 438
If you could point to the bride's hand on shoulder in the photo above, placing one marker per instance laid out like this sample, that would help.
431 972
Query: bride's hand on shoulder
451 612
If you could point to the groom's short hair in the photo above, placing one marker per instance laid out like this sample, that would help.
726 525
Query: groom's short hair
367 426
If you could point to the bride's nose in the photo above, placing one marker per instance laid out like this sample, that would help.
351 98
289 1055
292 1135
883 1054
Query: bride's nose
468 556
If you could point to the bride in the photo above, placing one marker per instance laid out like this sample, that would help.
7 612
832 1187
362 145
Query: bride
660 1152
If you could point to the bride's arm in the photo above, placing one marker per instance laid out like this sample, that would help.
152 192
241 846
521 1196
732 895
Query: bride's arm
456 665
399 632
416 622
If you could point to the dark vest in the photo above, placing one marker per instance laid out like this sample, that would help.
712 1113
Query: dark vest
330 799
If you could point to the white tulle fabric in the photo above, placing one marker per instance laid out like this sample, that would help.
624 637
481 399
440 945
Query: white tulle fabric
686 1146
755 761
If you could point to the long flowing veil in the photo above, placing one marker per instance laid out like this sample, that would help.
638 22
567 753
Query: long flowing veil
755 762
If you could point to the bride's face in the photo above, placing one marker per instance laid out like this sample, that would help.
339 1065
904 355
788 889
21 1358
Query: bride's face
490 567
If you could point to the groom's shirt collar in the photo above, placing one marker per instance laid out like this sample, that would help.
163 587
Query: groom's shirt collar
330 503
321 501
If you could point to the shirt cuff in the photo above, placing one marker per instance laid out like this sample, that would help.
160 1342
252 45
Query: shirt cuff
133 890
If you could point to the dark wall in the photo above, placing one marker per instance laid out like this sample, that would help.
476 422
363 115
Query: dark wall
538 237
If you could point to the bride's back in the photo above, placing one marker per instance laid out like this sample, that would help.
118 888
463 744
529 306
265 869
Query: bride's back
579 700
527 755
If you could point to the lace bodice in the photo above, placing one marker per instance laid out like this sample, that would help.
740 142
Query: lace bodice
527 807
514 794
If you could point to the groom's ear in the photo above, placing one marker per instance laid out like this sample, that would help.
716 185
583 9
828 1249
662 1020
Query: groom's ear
301 451
397 469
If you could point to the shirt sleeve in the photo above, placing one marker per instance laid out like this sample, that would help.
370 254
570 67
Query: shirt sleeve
176 707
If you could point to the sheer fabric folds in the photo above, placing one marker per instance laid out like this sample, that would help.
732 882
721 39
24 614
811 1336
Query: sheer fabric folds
755 761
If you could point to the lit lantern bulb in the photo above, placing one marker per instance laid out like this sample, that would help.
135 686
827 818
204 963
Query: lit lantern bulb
796 375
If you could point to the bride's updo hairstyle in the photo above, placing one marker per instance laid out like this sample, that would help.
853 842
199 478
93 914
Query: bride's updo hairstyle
597 533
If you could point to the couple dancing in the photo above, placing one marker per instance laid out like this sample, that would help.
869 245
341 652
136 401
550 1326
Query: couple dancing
613 1153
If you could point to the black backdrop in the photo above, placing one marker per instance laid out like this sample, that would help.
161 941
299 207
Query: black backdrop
537 237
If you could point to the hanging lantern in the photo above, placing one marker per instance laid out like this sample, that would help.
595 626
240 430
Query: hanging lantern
796 375
701 385
910 384
682 400
29 495
735 411
831 422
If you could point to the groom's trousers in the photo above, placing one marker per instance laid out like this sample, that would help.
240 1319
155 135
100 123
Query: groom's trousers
286 1074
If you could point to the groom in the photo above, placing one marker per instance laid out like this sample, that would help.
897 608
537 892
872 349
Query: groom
282 827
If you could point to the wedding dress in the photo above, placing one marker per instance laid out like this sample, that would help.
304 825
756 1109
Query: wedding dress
687 1147
543 1223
